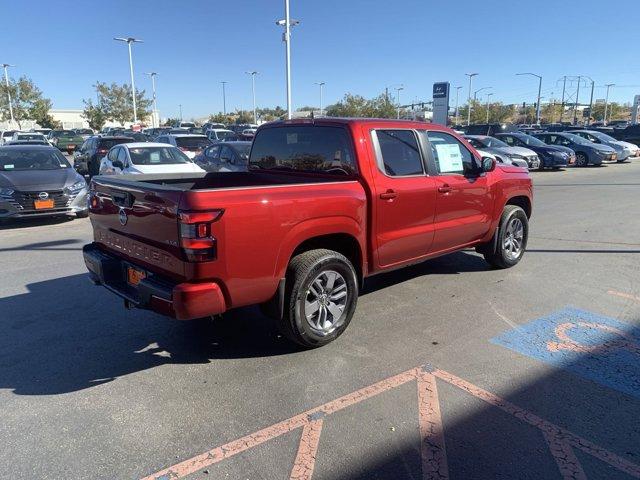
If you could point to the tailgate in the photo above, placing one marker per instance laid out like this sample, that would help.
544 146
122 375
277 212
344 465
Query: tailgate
138 223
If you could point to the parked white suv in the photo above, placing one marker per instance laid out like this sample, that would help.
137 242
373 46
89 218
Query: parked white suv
146 157
190 144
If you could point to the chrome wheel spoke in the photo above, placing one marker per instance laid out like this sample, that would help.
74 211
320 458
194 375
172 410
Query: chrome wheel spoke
335 310
330 280
311 308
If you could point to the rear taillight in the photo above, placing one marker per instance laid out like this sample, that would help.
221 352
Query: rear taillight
102 151
196 238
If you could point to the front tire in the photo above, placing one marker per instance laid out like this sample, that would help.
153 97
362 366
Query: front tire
82 214
581 160
320 298
511 243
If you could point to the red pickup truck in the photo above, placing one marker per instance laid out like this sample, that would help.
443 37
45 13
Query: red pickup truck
324 204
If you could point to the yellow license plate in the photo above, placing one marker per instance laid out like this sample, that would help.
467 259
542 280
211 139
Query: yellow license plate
134 275
43 204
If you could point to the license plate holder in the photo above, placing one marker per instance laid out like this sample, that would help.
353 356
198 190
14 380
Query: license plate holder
43 204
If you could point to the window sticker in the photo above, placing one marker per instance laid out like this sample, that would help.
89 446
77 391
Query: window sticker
154 157
449 157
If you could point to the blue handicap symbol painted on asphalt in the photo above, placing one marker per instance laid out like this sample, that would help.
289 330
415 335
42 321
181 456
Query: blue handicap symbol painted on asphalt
593 346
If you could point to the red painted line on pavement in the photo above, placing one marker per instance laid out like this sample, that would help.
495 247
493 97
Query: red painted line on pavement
230 449
306 457
565 458
534 420
432 448
624 295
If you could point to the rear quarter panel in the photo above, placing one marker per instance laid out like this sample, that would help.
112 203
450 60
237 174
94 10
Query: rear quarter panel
261 228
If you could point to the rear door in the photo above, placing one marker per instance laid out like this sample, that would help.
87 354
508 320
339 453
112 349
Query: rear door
404 195
463 205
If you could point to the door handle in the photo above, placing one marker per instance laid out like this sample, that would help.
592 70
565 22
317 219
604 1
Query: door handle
388 195
446 188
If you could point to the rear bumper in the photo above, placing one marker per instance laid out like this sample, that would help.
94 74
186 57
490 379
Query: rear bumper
183 301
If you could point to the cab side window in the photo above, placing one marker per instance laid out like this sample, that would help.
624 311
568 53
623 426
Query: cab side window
122 156
398 152
508 140
450 155
113 155
212 152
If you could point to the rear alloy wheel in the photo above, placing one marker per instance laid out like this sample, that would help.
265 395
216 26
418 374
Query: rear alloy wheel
511 243
581 160
320 297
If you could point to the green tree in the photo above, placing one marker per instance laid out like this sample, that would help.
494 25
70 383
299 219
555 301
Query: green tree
95 113
358 106
27 101
615 111
170 122
115 101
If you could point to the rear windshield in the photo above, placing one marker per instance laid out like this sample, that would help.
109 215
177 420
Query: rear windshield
314 149
108 143
193 142
30 136
157 156
8 133
13 159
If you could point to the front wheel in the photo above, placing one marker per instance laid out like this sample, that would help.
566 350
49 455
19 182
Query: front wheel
320 297
581 160
511 243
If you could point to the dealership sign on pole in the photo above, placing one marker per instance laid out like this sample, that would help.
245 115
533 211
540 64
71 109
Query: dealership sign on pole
440 102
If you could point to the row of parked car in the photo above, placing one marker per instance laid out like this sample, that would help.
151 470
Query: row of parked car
553 149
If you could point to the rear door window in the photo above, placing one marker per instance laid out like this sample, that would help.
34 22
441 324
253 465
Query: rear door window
311 149
398 152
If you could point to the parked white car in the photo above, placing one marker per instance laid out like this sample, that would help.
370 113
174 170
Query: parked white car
146 157
29 136
190 144
6 136
219 134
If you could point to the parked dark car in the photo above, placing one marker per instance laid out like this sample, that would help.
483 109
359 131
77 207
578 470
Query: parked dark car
87 158
587 153
629 134
551 156
225 157
37 180
489 129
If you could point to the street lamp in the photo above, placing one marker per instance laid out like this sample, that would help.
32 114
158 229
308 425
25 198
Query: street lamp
155 105
6 80
224 97
398 90
180 107
129 41
470 75
475 94
457 94
287 23
606 101
320 84
539 91
488 96
253 74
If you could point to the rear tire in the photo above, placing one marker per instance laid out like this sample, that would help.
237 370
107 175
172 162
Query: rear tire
82 214
321 294
511 243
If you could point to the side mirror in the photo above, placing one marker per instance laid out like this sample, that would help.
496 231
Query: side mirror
118 164
488 164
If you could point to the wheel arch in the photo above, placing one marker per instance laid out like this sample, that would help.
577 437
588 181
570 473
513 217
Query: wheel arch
521 201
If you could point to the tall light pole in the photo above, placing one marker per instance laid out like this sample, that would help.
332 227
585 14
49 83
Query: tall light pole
129 41
475 94
6 81
398 90
180 107
606 101
253 74
224 97
457 94
470 75
539 92
155 105
488 96
287 23
321 84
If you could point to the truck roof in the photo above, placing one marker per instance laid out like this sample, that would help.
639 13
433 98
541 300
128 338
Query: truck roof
354 121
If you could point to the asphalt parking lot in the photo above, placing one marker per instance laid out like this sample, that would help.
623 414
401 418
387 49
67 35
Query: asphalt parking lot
448 370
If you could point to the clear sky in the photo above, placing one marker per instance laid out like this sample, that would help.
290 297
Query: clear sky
355 46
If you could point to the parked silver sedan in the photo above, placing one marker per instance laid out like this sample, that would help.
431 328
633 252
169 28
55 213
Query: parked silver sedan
519 156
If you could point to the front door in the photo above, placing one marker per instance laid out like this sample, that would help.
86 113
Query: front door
405 197
464 204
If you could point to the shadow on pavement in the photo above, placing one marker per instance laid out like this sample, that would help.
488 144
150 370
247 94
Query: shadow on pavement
48 245
17 223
